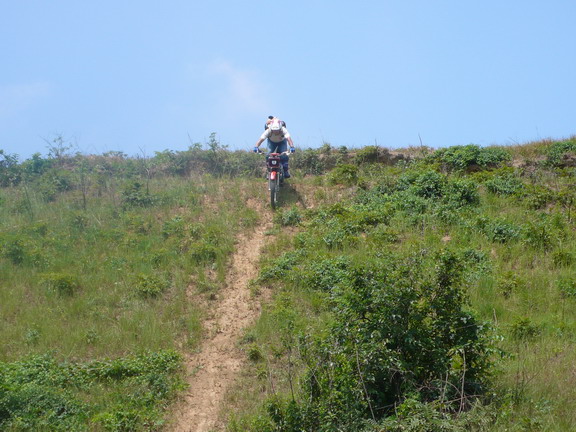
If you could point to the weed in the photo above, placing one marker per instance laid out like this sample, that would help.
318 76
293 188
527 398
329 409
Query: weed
563 258
523 329
290 217
63 284
567 287
150 286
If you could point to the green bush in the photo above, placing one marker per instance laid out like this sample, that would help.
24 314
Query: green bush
134 195
63 284
504 185
429 184
567 287
150 286
523 329
344 174
539 234
392 335
501 231
558 153
13 249
291 217
40 393
368 154
471 156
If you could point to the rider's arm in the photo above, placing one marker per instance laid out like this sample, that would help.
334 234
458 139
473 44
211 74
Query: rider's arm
265 135
288 137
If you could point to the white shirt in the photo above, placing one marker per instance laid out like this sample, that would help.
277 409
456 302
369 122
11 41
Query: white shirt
275 136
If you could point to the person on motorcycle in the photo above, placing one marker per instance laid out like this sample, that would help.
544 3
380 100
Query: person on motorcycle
278 141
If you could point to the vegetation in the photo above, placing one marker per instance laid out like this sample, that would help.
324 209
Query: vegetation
433 296
428 291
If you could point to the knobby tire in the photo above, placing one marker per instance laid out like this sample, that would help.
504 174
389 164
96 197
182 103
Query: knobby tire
273 192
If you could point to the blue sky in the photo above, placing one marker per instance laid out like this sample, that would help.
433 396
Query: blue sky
146 76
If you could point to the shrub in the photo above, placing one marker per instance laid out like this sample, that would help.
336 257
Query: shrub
61 283
150 286
204 251
39 393
344 174
567 287
524 330
562 153
509 283
133 195
471 156
502 231
539 234
504 185
291 217
309 162
368 154
14 249
429 184
537 197
398 328
463 192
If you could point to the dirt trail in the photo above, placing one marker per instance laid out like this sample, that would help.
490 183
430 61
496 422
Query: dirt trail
215 367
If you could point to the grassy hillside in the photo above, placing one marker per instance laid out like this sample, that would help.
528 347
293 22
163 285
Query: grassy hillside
107 266
433 294
419 290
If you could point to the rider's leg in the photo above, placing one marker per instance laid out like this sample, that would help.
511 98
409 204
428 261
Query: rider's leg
283 147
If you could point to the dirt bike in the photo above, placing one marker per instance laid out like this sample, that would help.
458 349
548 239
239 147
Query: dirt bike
274 175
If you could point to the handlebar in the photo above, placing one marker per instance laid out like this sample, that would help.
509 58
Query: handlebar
287 152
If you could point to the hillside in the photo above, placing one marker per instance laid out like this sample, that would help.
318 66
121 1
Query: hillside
407 290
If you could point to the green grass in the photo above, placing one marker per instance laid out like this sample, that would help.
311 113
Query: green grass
110 281
109 276
521 285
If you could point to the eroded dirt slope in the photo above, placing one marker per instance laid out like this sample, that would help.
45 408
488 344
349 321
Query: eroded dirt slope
213 370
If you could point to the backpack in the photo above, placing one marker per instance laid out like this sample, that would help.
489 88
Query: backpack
270 118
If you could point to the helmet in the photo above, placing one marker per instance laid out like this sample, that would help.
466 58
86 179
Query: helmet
276 125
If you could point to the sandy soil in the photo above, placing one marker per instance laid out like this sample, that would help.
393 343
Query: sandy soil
213 370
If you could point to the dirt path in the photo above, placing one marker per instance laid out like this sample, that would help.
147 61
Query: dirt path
213 370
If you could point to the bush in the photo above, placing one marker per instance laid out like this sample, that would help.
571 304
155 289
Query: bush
344 174
13 249
562 153
563 258
524 330
429 184
150 286
40 393
368 154
504 185
291 217
398 329
471 156
61 283
567 287
133 195
463 192
502 231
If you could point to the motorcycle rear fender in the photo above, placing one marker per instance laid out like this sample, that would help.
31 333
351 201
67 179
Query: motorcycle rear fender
273 175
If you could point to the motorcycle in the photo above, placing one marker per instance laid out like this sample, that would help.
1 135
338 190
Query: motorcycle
274 175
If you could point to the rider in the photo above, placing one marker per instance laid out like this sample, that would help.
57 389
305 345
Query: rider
278 141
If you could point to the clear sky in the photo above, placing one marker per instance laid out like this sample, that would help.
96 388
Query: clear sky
145 76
